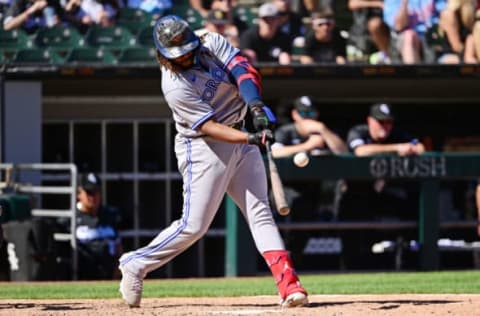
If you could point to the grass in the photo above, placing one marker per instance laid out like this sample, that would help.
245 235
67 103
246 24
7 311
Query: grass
352 283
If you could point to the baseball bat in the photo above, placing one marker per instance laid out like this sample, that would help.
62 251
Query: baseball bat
277 186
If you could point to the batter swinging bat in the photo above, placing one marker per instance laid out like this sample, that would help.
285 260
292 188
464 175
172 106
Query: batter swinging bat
277 186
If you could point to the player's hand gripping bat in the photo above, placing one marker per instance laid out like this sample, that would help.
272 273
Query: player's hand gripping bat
277 186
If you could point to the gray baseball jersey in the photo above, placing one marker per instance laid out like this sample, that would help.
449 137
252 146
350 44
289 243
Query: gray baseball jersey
209 167
204 92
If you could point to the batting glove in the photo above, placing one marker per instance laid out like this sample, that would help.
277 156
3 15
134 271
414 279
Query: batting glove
261 138
263 117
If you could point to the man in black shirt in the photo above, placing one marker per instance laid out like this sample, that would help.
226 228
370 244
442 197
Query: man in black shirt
98 241
306 134
379 199
364 199
323 43
265 42
291 21
379 136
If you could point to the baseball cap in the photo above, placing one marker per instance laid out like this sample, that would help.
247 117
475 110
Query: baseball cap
267 10
90 182
305 106
217 17
381 111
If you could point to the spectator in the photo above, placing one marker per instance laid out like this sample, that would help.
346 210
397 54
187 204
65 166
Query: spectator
306 134
456 23
31 15
378 136
324 44
203 7
4 5
409 21
99 245
217 21
92 12
311 200
265 42
368 22
377 200
472 43
314 5
154 7
290 21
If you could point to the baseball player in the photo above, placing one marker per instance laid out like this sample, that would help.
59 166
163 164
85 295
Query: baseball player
209 88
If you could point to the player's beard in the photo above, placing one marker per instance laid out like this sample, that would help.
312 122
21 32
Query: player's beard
186 61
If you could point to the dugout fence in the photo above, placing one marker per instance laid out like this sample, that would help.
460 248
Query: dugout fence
27 179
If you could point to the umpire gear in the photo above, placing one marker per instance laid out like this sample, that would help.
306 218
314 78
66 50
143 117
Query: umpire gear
173 37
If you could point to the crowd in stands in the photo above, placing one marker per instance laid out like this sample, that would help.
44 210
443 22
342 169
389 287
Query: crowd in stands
278 31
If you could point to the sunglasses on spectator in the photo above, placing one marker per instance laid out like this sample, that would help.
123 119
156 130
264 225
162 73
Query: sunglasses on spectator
320 22
308 114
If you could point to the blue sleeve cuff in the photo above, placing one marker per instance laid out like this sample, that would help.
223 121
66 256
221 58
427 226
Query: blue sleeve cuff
205 118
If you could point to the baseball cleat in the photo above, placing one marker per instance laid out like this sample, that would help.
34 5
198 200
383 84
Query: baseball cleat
297 299
131 287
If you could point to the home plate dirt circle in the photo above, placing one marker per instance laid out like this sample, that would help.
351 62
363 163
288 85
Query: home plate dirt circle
325 305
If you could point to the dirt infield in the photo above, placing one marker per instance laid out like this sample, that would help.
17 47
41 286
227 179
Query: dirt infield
325 305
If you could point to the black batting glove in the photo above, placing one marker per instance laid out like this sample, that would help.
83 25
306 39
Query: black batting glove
263 117
261 138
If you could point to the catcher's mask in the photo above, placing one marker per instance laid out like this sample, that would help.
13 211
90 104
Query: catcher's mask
173 37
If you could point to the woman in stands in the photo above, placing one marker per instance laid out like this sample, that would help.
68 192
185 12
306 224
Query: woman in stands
472 43
456 25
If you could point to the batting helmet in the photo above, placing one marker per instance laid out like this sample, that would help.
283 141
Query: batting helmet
173 37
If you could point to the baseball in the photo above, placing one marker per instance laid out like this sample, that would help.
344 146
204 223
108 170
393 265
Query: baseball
301 159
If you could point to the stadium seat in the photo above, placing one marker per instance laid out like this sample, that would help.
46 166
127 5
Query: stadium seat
190 15
91 56
37 56
134 19
138 55
114 37
247 14
14 40
145 37
60 38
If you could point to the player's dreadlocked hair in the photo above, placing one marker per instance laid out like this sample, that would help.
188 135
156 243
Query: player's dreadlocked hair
164 62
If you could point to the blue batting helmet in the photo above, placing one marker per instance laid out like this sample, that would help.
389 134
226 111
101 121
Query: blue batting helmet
173 37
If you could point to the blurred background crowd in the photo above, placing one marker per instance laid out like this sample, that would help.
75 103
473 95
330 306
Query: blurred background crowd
278 31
